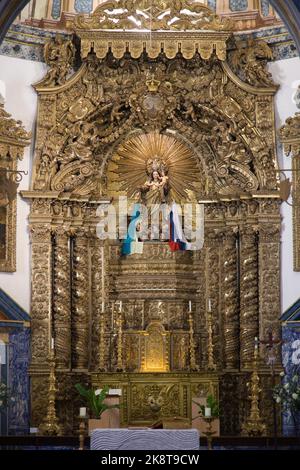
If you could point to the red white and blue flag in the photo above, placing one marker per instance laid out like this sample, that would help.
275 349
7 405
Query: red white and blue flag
177 240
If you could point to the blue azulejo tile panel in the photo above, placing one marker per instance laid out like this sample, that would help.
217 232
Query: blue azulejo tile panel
19 356
56 9
291 363
238 5
265 7
83 6
212 4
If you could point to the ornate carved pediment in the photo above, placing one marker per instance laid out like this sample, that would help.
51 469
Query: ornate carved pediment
196 102
154 15
134 27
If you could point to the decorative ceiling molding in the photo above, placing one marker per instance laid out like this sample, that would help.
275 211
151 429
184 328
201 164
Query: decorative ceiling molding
9 10
289 11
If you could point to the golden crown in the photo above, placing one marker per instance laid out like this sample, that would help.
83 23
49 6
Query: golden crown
153 85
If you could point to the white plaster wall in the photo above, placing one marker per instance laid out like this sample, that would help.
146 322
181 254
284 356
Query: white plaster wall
287 74
16 77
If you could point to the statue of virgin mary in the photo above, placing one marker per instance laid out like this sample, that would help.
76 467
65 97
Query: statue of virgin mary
156 189
155 169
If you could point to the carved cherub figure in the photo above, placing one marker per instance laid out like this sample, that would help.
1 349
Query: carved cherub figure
252 60
59 55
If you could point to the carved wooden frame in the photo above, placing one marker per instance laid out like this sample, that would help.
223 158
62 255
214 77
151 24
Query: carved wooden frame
290 137
13 140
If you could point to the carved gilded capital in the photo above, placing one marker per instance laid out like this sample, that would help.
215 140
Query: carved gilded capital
249 233
40 233
62 233
40 207
269 233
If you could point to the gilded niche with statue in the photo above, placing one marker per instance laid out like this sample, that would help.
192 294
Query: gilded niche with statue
181 125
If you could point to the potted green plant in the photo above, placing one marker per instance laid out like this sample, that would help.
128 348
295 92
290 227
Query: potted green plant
207 408
212 405
97 403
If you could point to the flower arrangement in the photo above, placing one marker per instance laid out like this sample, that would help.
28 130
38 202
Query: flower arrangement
4 396
288 392
95 400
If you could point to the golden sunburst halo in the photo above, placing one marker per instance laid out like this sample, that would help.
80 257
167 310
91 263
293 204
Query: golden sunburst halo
127 171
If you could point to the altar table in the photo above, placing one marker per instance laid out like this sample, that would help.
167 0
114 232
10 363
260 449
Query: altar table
145 439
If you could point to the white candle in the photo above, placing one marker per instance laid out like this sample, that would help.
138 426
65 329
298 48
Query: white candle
256 342
209 305
120 306
52 343
103 307
207 412
82 412
190 305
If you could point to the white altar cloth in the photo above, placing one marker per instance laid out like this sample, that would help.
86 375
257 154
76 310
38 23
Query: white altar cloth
145 439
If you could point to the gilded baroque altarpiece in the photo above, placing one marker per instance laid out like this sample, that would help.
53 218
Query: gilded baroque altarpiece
290 137
170 80
13 140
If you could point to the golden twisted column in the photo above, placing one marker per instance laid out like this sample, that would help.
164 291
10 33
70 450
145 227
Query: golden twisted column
213 279
100 305
120 365
231 301
249 295
210 346
101 365
80 303
193 364
62 297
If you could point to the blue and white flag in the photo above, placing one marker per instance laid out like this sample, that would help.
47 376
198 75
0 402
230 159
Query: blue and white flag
131 245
